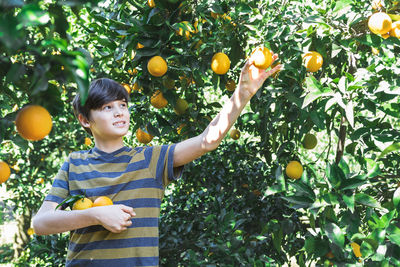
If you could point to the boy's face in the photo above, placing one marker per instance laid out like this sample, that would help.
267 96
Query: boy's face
110 121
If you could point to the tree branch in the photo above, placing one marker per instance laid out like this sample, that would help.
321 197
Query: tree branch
342 138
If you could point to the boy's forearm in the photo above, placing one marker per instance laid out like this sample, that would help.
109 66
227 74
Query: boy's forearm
220 125
58 221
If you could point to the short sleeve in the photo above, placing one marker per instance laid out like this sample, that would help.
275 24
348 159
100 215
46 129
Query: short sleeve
162 164
60 189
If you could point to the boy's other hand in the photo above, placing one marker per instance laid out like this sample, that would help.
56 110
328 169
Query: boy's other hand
252 78
115 218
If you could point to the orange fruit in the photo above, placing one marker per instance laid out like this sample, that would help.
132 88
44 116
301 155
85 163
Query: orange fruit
82 204
180 127
136 87
395 31
181 106
356 249
102 201
375 51
230 85
33 122
151 3
157 100
143 136
262 57
377 4
294 170
234 134
214 15
313 61
157 66
380 23
30 231
127 87
40 181
5 172
220 63
385 36
88 141
309 141
139 46
187 31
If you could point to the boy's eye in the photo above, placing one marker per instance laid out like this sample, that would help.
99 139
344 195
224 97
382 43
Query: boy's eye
107 107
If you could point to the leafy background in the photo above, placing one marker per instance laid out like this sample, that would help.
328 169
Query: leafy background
234 206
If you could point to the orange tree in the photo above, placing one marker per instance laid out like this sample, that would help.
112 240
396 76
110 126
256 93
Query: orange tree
236 206
39 65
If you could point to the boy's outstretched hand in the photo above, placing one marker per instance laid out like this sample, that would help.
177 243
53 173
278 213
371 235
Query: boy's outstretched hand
252 78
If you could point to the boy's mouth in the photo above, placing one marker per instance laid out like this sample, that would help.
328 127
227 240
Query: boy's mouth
119 123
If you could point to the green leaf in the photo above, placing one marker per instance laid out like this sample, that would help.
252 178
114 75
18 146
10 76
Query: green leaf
352 183
389 149
303 189
396 199
300 201
312 96
335 234
349 201
277 239
367 200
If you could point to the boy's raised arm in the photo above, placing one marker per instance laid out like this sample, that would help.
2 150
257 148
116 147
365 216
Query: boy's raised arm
251 79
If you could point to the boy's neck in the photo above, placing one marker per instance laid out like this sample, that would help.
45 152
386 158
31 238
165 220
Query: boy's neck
109 146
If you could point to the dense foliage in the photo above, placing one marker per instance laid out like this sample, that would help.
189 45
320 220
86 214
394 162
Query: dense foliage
235 205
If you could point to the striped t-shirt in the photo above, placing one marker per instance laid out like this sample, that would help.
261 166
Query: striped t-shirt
133 177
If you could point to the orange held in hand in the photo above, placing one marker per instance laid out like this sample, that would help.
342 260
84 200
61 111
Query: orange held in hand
380 23
313 61
102 201
262 57
33 122
157 66
4 172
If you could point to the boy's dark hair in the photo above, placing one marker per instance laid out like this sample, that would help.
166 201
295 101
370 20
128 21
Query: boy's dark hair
101 91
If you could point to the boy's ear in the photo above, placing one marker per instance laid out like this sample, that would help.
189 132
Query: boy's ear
83 121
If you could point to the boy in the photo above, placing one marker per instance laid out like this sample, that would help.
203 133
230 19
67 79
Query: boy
126 233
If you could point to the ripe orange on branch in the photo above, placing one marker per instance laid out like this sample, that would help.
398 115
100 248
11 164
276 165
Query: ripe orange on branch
262 57
158 100
395 31
143 136
157 66
33 122
5 172
102 201
313 61
294 170
380 23
220 63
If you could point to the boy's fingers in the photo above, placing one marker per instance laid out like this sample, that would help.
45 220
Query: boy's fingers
128 210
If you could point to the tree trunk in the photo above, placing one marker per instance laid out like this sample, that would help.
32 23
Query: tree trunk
22 238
